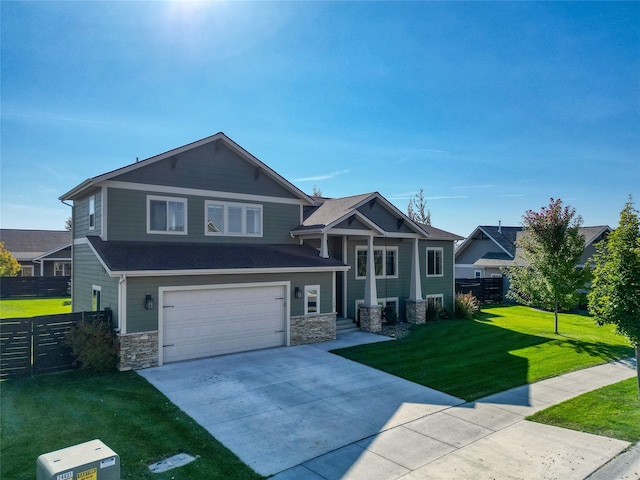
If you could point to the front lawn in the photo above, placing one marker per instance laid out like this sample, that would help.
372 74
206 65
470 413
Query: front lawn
33 307
49 412
506 346
612 411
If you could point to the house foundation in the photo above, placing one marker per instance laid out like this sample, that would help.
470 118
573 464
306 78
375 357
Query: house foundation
138 350
305 329
416 311
370 318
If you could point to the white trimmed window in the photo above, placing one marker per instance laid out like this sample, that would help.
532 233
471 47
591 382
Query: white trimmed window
166 215
435 303
61 269
434 262
311 299
27 270
385 260
96 301
477 273
92 212
233 219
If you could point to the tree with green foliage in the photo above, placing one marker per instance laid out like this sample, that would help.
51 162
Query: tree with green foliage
417 209
615 290
546 274
9 266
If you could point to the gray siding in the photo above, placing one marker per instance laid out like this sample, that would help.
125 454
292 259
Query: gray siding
476 249
141 320
383 218
88 271
81 216
128 220
209 167
399 287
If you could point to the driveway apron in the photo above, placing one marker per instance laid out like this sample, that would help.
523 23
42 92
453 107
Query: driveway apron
301 413
281 407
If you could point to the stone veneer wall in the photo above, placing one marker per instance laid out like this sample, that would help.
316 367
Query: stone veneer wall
138 350
370 318
416 311
306 329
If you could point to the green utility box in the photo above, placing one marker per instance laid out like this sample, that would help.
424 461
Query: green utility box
87 461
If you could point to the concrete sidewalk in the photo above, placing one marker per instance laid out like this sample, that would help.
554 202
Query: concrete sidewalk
304 413
488 439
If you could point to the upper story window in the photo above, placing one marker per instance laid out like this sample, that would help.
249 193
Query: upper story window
385 260
233 219
92 212
434 262
166 215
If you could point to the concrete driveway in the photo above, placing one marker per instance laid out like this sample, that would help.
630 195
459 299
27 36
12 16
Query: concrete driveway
303 413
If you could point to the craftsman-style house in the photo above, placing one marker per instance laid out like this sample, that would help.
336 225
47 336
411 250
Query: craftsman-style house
205 250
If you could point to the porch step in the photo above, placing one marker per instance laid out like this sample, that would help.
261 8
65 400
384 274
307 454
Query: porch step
345 325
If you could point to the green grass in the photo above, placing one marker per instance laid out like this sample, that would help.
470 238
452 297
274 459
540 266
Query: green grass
506 346
33 307
612 411
49 412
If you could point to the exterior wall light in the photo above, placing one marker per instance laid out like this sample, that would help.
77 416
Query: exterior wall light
148 302
298 292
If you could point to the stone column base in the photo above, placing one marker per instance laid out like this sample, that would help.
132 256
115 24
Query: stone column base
305 329
370 318
138 350
416 311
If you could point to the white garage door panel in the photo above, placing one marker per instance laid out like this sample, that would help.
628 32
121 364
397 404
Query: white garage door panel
202 323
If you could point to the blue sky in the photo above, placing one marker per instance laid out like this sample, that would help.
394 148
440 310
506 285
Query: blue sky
491 108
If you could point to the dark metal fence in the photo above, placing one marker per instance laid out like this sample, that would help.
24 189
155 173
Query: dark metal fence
13 287
29 346
486 290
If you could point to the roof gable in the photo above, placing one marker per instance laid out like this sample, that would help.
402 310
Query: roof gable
213 163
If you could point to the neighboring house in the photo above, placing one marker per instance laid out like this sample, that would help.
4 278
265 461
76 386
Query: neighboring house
490 248
39 252
205 250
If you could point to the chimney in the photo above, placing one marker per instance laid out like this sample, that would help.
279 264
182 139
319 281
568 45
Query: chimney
499 226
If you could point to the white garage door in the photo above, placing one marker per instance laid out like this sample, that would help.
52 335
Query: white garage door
214 321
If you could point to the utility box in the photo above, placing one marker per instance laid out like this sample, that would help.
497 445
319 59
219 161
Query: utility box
87 461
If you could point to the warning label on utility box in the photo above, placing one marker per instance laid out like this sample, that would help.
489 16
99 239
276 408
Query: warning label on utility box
88 474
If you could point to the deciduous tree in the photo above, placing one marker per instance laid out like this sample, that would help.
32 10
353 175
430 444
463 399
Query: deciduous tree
9 266
615 290
551 247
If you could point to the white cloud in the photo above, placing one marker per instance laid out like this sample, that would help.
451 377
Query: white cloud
321 177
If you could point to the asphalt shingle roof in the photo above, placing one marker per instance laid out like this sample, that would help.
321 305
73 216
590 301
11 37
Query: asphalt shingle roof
25 244
120 256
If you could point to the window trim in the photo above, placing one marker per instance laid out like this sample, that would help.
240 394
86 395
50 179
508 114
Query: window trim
226 206
96 289
435 249
27 267
66 268
92 212
477 274
360 248
435 296
167 199
307 289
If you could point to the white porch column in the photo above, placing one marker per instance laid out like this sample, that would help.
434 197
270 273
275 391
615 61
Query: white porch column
370 293
324 249
415 289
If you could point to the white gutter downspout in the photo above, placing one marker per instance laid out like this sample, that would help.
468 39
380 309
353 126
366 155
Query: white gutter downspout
122 304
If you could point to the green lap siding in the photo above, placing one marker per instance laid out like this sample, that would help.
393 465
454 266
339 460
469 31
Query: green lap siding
88 271
140 320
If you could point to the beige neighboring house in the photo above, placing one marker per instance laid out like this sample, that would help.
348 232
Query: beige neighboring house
41 253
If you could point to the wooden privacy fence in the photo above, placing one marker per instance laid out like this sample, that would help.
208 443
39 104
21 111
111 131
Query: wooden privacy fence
29 346
12 287
486 290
